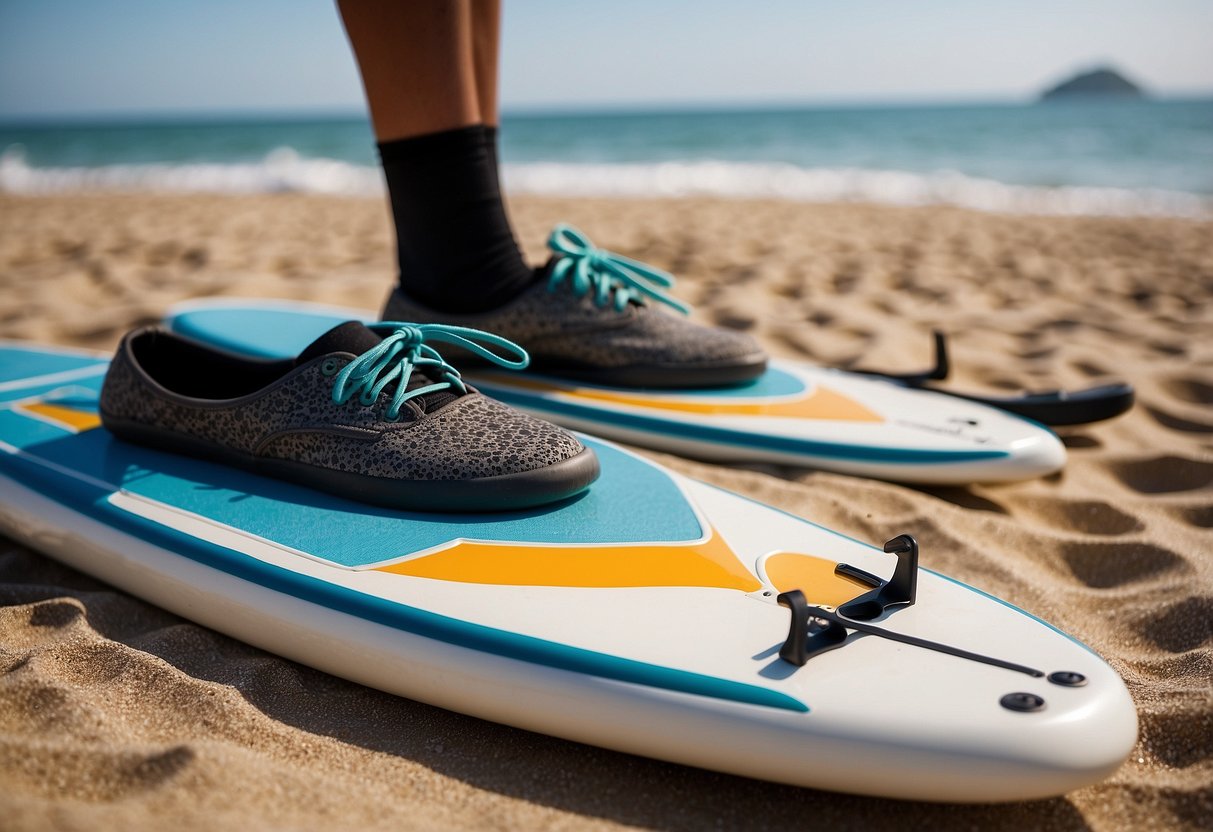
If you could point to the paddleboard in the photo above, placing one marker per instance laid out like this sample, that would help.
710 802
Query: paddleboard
794 414
653 614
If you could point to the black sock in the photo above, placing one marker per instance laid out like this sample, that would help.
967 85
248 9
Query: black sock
490 143
456 249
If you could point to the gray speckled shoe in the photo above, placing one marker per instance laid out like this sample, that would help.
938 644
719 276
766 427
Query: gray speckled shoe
592 318
371 414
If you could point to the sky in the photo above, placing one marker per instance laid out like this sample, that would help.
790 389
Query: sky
137 57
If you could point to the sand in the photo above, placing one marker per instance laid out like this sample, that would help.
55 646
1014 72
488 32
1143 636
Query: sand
114 714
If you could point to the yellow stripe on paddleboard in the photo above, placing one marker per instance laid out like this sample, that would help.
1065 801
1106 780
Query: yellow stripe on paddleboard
710 563
815 577
74 420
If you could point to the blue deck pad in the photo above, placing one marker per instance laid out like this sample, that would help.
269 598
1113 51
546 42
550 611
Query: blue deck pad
17 363
266 333
632 502
271 332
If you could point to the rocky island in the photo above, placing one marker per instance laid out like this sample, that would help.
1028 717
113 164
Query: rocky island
1098 83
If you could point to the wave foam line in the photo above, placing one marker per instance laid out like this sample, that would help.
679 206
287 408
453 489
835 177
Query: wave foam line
283 170
744 180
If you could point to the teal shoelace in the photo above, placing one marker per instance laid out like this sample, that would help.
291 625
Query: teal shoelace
588 268
406 348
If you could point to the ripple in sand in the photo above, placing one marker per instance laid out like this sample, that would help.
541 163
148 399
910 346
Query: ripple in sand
1110 565
94 775
1172 668
1163 474
1085 516
154 769
1190 390
965 498
34 705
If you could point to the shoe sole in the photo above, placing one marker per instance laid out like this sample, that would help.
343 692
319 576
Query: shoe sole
662 376
504 492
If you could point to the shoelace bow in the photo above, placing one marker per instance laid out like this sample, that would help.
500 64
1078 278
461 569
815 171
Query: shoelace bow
592 269
407 348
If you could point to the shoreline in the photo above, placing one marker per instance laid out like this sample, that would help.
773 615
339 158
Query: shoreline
114 714
284 171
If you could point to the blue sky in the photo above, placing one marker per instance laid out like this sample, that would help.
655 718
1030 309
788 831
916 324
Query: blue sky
72 57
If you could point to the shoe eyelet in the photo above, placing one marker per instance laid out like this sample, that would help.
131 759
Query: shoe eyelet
329 367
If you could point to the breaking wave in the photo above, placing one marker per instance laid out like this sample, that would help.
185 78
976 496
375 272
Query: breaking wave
285 171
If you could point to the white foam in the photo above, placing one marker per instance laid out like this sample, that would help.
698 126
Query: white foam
283 170
781 181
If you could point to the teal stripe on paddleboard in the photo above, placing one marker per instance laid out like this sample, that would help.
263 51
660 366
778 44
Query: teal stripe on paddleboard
17 363
92 501
744 439
1019 610
633 501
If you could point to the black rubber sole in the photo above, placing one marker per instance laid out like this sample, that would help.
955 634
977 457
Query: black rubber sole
648 376
661 376
506 492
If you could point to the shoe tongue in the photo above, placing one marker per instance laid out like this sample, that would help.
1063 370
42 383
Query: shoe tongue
354 337
351 336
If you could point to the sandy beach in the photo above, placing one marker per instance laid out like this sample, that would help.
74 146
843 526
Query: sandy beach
117 715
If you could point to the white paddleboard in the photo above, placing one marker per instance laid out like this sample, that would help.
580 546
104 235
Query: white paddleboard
641 616
795 414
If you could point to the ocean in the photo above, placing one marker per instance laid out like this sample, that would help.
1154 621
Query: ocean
1081 157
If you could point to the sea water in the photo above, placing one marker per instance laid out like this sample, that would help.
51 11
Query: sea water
1080 157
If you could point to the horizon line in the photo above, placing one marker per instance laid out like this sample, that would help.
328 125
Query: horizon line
567 109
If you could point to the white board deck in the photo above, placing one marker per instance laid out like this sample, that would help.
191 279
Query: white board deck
639 617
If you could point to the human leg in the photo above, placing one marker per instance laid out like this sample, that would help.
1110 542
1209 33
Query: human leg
455 247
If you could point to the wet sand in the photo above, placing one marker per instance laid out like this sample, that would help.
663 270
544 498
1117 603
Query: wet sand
114 714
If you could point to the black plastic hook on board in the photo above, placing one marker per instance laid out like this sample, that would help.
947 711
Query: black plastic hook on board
1055 408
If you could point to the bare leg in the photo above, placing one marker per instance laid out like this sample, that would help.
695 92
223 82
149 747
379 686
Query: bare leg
486 47
426 65
416 62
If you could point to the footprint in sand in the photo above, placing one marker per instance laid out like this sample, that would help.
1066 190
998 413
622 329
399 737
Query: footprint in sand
56 613
1084 516
1090 369
1182 626
1038 354
1166 734
1169 420
1166 348
1192 390
1163 474
1199 516
1110 565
